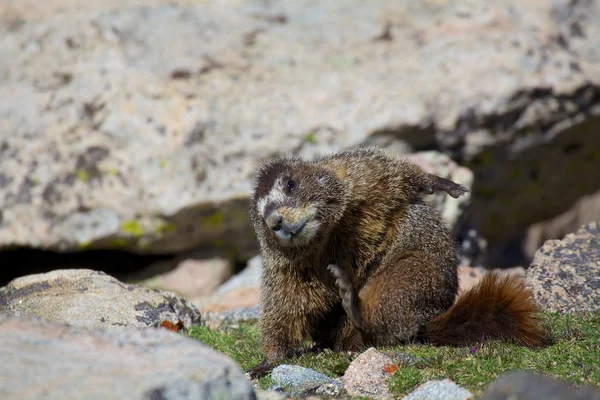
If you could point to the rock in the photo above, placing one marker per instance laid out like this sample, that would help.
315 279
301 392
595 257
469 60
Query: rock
367 375
469 277
192 277
58 361
332 389
585 211
565 274
299 381
137 126
525 385
231 318
241 291
407 360
269 394
473 248
440 390
93 299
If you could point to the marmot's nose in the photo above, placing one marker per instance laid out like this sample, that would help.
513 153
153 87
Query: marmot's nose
274 221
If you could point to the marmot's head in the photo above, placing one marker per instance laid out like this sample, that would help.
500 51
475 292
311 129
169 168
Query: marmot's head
295 203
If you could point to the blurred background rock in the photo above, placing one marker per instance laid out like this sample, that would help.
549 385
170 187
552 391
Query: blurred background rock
129 130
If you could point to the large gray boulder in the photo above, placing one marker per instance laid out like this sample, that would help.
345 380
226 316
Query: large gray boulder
138 125
56 361
564 275
93 299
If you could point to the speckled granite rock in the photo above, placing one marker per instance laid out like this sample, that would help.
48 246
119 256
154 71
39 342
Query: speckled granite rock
367 375
565 274
93 299
525 385
299 381
43 360
440 390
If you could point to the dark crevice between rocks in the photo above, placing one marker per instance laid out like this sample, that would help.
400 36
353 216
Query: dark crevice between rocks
119 264
581 102
418 138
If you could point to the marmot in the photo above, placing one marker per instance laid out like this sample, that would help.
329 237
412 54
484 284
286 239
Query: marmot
352 256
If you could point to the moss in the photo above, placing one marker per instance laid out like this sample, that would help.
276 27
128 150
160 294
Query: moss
311 137
112 171
214 220
163 163
164 227
84 245
119 242
238 217
132 227
218 243
82 175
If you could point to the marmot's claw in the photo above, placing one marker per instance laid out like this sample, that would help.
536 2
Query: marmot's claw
347 293
260 370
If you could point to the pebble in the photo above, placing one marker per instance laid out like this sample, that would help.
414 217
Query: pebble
440 390
300 381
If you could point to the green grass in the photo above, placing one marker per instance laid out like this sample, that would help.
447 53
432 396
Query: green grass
574 356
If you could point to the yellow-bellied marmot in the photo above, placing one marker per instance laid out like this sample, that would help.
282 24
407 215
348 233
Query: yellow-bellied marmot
353 256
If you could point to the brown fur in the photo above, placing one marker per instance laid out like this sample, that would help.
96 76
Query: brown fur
370 241
496 308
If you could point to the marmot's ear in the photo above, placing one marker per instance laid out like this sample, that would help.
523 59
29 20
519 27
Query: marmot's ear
433 183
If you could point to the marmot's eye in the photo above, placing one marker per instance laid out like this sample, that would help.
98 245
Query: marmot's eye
290 184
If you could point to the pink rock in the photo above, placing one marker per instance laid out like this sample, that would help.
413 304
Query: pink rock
192 277
242 290
367 375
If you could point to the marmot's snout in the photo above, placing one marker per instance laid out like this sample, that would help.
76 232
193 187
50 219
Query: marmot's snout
286 222
274 220
295 225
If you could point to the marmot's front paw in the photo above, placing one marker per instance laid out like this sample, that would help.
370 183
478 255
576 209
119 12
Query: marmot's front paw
260 370
348 294
439 184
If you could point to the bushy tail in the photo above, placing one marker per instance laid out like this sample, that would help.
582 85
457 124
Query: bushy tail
496 308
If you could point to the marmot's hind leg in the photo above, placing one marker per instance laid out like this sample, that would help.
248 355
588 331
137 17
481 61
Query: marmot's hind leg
397 302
